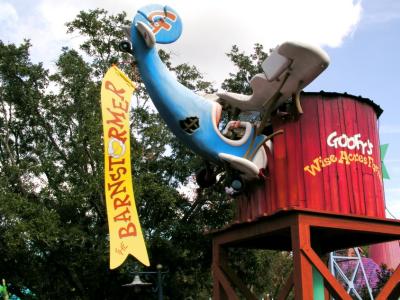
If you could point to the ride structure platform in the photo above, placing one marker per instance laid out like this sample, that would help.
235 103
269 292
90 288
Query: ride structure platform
309 234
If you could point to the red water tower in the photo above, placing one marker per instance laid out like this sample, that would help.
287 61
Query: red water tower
323 191
327 159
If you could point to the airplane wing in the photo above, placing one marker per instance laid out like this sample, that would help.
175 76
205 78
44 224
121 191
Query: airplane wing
287 70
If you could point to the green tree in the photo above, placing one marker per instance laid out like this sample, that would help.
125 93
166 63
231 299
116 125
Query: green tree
247 65
52 212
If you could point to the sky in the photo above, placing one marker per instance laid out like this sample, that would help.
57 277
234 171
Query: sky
361 37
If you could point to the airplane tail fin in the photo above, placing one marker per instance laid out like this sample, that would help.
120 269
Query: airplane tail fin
158 24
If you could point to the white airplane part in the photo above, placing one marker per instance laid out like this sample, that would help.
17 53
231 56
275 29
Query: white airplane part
147 34
249 170
287 70
274 65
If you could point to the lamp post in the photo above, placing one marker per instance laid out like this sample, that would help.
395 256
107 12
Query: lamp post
159 282
137 283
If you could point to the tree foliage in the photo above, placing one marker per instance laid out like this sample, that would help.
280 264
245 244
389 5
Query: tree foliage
52 212
247 65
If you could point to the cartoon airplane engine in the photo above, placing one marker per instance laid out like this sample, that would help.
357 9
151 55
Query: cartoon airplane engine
195 119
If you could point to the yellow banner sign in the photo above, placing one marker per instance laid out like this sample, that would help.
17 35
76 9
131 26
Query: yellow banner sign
126 235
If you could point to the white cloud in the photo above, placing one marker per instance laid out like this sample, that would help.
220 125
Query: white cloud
8 17
8 14
210 27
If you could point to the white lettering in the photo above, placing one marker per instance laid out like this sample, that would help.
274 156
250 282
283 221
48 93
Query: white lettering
331 141
351 143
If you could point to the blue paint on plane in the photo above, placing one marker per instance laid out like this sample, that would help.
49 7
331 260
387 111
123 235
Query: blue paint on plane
176 103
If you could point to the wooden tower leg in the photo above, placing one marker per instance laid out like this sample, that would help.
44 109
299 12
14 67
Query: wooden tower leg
222 289
391 290
217 288
302 269
285 291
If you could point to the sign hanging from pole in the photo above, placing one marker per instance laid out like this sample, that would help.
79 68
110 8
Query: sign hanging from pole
126 235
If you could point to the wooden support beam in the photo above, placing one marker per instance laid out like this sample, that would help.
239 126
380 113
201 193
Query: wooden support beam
224 276
215 266
226 291
232 277
334 286
284 292
391 290
352 223
253 230
302 269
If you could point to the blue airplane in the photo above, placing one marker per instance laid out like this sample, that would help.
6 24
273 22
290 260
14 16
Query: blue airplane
195 119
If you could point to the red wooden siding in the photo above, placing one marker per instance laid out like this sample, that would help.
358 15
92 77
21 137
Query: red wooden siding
341 180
